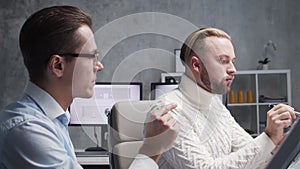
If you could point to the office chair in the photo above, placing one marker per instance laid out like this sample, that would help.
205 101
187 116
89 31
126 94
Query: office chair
126 123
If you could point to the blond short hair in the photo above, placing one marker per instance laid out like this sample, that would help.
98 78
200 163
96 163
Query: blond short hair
195 41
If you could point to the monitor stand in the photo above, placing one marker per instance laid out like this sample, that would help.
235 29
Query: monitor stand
95 149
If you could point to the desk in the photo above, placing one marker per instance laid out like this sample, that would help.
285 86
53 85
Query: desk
93 161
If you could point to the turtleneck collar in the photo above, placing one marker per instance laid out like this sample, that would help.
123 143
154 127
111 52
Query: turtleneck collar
196 95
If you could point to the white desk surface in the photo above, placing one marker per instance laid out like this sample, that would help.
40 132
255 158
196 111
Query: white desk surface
92 159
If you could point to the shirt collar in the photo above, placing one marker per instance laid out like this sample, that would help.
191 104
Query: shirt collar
47 103
195 94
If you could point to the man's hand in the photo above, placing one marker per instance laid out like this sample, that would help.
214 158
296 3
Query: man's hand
278 118
160 130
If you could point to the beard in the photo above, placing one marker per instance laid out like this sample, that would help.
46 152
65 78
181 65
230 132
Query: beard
220 87
213 85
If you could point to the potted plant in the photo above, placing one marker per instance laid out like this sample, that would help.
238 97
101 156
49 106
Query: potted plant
263 64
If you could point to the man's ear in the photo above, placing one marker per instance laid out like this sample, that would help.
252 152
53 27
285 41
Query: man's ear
56 65
195 64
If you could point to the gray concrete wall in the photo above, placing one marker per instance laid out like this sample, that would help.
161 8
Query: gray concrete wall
138 37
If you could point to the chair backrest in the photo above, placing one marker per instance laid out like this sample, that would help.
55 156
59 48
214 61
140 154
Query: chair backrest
126 125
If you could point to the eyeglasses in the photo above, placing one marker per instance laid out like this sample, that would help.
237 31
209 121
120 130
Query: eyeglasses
94 56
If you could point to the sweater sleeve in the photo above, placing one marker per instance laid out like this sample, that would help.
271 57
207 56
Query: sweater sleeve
263 143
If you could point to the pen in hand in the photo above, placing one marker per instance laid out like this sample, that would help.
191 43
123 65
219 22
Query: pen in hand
296 112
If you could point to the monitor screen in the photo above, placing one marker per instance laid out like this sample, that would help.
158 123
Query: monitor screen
288 149
158 89
92 111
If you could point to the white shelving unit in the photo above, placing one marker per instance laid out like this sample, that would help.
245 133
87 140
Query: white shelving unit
270 83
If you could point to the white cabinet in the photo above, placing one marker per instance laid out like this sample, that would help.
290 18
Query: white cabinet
274 85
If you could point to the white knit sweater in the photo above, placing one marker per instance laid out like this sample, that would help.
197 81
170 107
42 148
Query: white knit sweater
209 137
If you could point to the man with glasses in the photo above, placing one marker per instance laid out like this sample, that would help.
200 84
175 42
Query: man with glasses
60 54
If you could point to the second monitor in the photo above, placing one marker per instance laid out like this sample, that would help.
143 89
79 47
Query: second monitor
158 89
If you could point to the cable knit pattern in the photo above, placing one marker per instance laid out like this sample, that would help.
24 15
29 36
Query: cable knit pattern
209 137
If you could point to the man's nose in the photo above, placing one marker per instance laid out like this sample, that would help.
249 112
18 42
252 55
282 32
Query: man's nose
99 66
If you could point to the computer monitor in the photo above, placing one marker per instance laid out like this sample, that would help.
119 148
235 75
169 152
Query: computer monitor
92 111
158 89
288 149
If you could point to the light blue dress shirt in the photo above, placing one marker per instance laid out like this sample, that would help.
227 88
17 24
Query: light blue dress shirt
34 133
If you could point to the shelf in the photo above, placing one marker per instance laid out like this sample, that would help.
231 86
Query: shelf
254 104
274 71
242 104
271 103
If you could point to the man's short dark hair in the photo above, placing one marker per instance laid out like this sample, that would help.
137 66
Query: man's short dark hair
49 31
